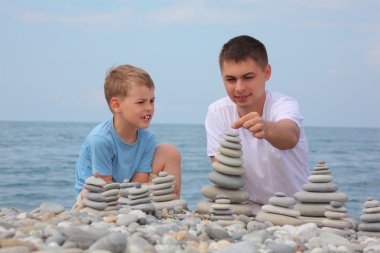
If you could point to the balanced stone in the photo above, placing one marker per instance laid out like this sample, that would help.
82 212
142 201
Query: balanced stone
93 188
320 187
231 138
94 204
228 170
163 179
281 210
231 152
236 196
98 181
232 145
161 186
282 201
139 190
111 192
317 197
166 197
229 182
319 178
163 191
370 218
111 185
95 196
231 161
277 219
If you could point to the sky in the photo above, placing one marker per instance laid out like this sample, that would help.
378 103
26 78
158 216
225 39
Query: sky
54 56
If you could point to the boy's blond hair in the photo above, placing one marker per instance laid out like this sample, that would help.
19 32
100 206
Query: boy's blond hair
120 79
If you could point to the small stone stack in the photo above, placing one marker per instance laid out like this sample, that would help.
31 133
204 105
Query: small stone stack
139 198
94 200
162 187
317 195
124 188
227 177
111 192
221 211
162 192
334 221
280 211
370 218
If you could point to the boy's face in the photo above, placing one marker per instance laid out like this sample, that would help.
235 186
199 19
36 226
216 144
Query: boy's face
137 108
245 84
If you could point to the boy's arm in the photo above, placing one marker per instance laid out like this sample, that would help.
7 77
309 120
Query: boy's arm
283 134
140 177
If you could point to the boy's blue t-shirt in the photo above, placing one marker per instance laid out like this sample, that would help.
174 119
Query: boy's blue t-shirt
105 153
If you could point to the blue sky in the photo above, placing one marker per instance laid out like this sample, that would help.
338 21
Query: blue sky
54 55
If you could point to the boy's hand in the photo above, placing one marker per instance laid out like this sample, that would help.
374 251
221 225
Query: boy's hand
79 204
254 123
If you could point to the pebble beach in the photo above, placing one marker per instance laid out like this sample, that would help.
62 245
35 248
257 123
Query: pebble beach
51 228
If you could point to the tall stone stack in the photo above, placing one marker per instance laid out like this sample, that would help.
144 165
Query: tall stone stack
280 211
227 177
111 192
94 200
335 221
317 195
162 192
370 218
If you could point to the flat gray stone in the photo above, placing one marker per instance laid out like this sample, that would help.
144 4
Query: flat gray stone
221 217
370 227
340 224
95 181
320 187
277 219
136 191
231 152
139 196
319 197
321 172
205 207
94 204
335 215
370 217
93 188
282 201
160 180
229 182
312 209
95 196
371 203
228 170
155 187
230 138
237 196
51 207
372 210
147 208
114 242
163 191
133 202
170 204
232 145
235 162
111 185
166 197
281 210
319 178
111 192
220 206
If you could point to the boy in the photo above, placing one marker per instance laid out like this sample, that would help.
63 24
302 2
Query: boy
121 147
269 124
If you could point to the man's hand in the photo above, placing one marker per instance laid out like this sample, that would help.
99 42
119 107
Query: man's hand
254 123
283 134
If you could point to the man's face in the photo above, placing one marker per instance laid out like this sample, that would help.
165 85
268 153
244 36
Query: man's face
245 84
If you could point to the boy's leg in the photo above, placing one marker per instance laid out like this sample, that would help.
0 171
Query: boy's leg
168 158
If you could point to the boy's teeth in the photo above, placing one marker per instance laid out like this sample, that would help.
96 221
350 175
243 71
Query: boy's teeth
146 117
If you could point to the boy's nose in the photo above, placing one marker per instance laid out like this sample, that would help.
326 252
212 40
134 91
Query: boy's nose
239 85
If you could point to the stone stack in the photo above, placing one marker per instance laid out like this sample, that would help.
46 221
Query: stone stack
124 188
111 192
335 221
162 192
280 211
221 211
139 198
317 195
227 177
162 187
370 218
94 200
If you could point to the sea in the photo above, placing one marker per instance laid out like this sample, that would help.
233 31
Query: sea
37 161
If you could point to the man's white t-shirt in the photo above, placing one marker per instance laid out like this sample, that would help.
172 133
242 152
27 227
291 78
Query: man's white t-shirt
268 169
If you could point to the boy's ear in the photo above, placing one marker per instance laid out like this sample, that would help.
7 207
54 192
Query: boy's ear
115 104
268 72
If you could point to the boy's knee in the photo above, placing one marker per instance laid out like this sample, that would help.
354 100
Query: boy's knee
168 151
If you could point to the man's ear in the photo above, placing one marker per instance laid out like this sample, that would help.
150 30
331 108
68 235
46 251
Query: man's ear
268 72
115 104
